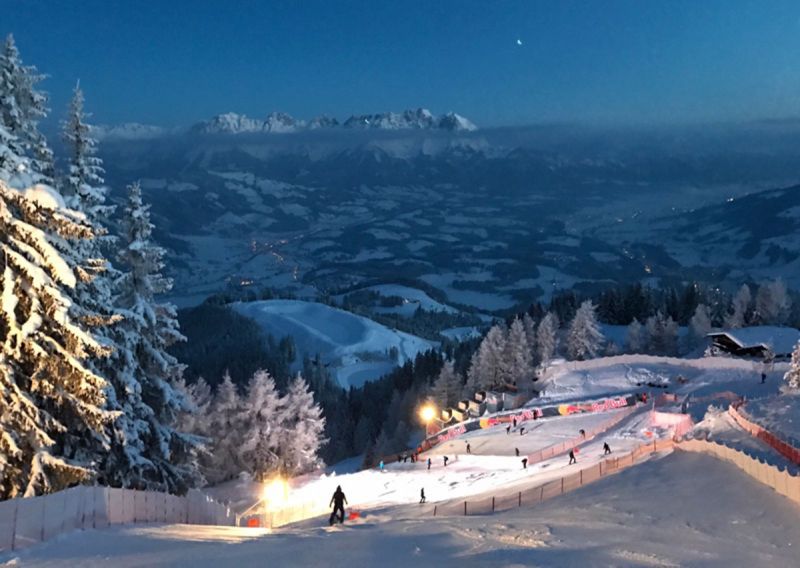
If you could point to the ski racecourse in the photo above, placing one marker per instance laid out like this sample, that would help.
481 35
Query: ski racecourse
666 507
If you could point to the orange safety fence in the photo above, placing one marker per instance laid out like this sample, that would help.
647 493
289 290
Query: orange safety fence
784 448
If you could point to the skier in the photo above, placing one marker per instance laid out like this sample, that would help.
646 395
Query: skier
606 449
429 463
515 422
524 463
445 461
522 430
469 448
508 429
572 459
422 495
582 432
517 450
337 501
380 465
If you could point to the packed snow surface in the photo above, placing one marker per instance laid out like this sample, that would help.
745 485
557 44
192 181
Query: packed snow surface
355 349
660 513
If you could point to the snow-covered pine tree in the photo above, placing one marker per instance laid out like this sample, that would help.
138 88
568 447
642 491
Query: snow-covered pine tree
773 304
13 163
547 338
740 306
584 338
635 338
489 368
303 429
447 387
21 108
699 326
83 181
152 453
225 430
52 407
662 334
519 355
263 427
792 376
530 333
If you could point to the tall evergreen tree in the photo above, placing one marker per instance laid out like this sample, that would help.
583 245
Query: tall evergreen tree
226 433
52 406
262 426
547 338
447 386
519 355
792 376
584 338
153 453
304 427
21 108
636 339
740 309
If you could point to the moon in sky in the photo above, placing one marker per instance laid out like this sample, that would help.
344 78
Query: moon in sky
519 41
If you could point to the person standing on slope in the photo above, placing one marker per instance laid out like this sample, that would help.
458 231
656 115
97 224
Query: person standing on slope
606 449
572 459
422 495
338 501
469 448
429 463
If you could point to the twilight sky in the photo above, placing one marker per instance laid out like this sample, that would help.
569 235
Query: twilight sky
174 62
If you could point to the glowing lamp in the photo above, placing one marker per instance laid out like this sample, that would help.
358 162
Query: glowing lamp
276 493
427 413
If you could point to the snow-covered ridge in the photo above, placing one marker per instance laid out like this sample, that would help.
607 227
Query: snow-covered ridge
277 122
128 131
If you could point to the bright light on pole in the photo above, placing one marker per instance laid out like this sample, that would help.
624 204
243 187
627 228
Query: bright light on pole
427 413
276 493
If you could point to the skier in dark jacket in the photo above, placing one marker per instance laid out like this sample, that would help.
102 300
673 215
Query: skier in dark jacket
582 432
429 463
515 422
606 449
521 430
517 450
445 460
469 448
572 459
422 495
524 463
337 501
508 429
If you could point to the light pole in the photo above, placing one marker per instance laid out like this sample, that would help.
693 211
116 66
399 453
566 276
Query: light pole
427 413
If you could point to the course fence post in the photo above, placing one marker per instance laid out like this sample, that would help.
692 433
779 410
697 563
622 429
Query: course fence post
434 510
519 496
492 504
465 508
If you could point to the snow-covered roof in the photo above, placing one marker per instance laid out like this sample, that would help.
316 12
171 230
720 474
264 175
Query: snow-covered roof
780 339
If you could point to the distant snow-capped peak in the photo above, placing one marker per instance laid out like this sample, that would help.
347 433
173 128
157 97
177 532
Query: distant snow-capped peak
127 131
277 122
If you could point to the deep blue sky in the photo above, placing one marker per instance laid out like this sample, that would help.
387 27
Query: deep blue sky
174 62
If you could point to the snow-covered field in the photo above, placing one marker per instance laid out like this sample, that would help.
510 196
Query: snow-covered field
777 414
562 383
355 349
661 513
